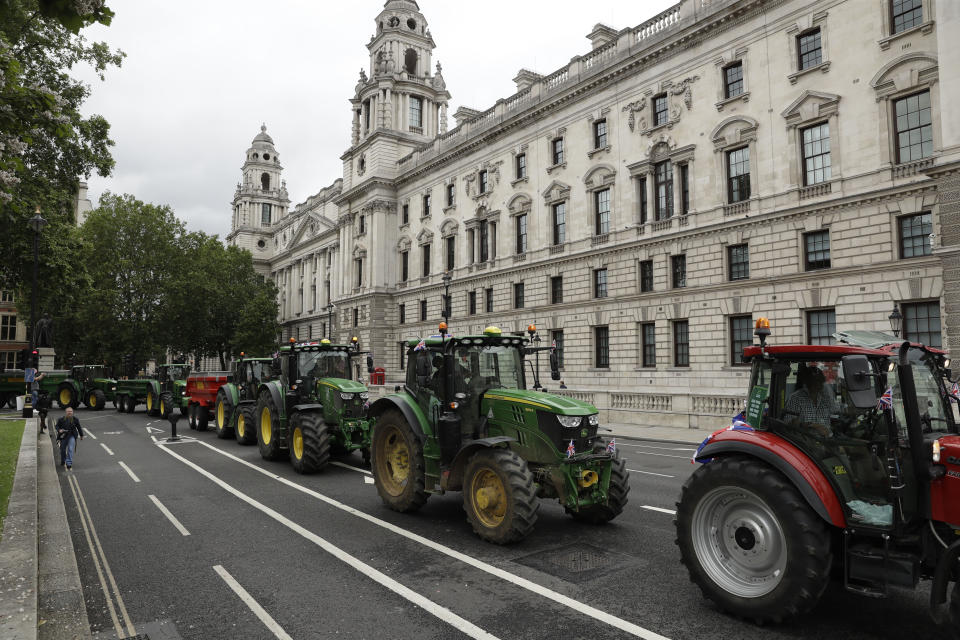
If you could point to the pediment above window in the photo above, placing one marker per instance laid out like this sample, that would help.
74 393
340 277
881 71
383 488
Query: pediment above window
906 72
359 251
810 106
404 243
449 227
520 203
424 236
734 130
600 176
556 191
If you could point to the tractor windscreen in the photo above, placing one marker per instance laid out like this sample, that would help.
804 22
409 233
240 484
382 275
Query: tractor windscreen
178 373
489 366
930 399
95 372
324 364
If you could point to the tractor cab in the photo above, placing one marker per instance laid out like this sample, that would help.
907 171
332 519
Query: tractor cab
319 371
88 372
172 372
252 371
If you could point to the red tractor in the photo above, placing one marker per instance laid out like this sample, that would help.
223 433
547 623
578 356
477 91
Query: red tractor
845 464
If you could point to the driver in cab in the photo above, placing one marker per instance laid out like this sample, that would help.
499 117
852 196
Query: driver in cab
813 403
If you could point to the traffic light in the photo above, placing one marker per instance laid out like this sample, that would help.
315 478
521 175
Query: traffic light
34 358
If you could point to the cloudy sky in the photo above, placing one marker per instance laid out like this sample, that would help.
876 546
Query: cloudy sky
201 76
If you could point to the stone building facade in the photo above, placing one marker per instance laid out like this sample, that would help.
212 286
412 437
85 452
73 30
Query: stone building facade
646 203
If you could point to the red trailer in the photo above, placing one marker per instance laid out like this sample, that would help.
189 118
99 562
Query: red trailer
202 388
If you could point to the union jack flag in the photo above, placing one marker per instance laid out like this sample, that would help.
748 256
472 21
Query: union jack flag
420 346
955 390
612 446
886 400
571 451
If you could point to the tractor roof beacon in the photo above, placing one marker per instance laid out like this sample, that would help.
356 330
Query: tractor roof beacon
464 421
845 462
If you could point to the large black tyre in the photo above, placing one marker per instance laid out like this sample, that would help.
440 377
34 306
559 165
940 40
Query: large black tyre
192 416
309 442
130 404
616 496
954 622
96 400
153 403
398 469
499 496
246 428
66 396
203 417
166 406
268 424
10 401
223 415
751 542
121 404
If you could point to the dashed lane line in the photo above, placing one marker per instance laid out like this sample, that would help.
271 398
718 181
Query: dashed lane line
651 473
248 600
87 432
182 529
658 509
129 471
351 467
106 448
662 455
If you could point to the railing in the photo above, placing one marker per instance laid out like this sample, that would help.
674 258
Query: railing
557 248
598 56
557 78
718 405
822 189
911 168
641 401
603 238
736 208
662 225
658 23
517 99
582 396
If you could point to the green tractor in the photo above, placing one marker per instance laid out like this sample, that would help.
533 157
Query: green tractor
171 388
464 421
87 383
236 401
313 409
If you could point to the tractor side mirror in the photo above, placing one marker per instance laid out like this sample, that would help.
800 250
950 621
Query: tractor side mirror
424 369
859 376
554 365
369 363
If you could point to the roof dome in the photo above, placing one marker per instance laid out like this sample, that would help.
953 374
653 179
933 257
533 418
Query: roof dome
263 137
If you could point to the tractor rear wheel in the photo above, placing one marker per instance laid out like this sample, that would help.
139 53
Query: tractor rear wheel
246 428
65 396
96 400
751 542
309 442
121 404
955 612
166 405
192 416
398 469
499 496
616 496
223 415
268 426
203 417
153 404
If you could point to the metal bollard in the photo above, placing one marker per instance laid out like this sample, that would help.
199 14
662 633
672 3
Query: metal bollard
173 417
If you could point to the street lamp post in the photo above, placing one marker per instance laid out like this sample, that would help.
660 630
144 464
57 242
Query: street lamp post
446 297
895 319
330 309
37 223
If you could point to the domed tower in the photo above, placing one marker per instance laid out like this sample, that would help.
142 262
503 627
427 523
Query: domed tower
260 200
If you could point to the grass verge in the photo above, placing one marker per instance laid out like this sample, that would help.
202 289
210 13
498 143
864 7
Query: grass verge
11 432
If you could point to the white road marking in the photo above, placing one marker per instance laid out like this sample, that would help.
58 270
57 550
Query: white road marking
87 432
368 480
155 430
649 508
662 455
154 438
170 517
650 473
248 600
106 448
647 446
352 468
112 433
523 583
461 624
127 469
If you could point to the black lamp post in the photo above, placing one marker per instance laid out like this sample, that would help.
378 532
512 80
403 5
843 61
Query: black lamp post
330 309
446 297
895 319
37 223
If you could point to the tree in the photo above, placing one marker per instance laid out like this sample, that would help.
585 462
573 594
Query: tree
46 146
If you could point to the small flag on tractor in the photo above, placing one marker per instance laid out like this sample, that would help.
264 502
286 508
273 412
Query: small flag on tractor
955 391
612 446
886 400
571 451
420 346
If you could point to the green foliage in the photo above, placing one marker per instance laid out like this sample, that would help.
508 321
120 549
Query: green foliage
11 432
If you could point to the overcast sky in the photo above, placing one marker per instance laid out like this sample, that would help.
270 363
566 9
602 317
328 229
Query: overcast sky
201 76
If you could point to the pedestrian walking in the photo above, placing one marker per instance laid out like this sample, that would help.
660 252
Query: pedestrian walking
68 430
33 377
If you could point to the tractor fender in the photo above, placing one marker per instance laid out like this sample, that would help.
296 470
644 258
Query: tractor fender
231 391
812 484
452 477
414 417
273 388
308 407
941 579
155 387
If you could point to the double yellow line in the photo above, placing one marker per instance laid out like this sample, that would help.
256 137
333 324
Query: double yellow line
100 562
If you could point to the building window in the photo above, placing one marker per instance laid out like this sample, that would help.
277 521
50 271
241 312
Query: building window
484 241
816 254
451 195
914 127
738 175
648 341
446 306
599 283
488 295
366 115
426 260
521 166
678 266
521 233
600 134
403 314
356 319
556 290
684 189
733 80
451 252
601 201
423 311
406 215
557 148
921 323
472 302
265 215
6 296
8 328
560 223
556 341
518 295
915 233
642 198
359 263
741 336
646 276
821 325
602 344
363 225
403 355
816 154
906 14
809 51
416 112
404 266
663 190
738 257
426 205
681 343
660 110
483 181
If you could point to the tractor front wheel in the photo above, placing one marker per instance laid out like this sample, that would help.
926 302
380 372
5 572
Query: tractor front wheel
192 416
153 404
121 404
309 442
166 405
246 428
203 417
223 415
96 400
616 496
268 426
751 542
398 469
499 496
66 397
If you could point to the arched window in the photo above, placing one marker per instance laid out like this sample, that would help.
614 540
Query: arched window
410 62
265 181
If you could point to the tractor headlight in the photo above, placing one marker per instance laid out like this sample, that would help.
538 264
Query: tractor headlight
346 396
936 451
364 395
570 422
113 388
594 420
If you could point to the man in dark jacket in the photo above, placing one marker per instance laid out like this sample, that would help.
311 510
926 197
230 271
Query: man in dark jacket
68 430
